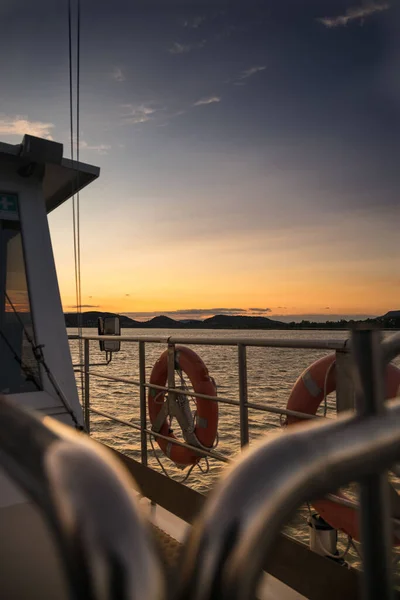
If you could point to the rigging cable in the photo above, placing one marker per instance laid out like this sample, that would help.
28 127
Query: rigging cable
75 198
37 351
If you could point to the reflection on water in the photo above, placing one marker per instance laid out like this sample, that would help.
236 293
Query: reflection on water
272 373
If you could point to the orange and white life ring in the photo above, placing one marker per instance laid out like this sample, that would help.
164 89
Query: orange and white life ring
206 416
316 382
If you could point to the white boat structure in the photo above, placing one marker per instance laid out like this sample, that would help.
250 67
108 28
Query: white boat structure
74 515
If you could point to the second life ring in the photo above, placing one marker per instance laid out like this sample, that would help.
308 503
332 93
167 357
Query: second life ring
316 382
199 429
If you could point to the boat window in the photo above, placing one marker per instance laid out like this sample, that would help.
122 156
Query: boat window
19 370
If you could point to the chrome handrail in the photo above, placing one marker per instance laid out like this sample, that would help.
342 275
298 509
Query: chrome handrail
391 347
87 499
227 548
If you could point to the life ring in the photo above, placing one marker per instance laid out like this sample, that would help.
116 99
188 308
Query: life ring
205 419
318 380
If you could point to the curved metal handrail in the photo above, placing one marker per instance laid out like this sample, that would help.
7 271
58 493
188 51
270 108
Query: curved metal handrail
228 546
391 347
87 498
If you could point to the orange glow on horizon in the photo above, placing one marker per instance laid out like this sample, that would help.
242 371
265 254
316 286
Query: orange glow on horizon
345 265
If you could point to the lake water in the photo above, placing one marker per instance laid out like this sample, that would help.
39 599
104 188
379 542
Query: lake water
272 373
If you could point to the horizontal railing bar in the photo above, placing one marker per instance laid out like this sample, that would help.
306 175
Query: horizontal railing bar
293 343
282 411
221 399
103 364
201 451
111 377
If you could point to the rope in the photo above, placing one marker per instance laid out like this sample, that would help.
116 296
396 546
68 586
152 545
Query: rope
164 469
78 220
185 387
76 199
29 376
331 366
39 356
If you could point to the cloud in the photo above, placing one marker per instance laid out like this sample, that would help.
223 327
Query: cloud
100 149
118 74
209 100
320 318
178 48
194 22
354 14
138 113
19 125
211 311
252 71
260 310
84 306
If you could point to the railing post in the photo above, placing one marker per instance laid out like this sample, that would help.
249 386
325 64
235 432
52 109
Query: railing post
344 381
142 397
171 376
376 532
86 407
244 411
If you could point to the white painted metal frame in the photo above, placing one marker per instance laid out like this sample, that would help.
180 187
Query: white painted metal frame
46 308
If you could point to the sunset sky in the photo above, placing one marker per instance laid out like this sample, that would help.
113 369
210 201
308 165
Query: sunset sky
249 152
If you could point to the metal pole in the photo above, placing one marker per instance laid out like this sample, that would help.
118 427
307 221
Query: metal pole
86 408
171 376
344 369
376 533
244 411
142 396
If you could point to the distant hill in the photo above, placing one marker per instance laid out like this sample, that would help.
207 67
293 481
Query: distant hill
242 322
392 314
89 319
163 322
391 320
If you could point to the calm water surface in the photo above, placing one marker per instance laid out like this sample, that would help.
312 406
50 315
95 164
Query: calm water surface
272 373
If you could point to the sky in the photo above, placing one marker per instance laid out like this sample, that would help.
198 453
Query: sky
249 151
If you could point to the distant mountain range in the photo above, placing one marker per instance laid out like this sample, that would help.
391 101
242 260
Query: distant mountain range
390 320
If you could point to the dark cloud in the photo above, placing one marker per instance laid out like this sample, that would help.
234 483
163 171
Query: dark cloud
194 22
260 310
192 312
321 318
85 306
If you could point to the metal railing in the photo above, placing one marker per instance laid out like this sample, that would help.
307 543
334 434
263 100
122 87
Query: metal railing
106 554
226 549
243 403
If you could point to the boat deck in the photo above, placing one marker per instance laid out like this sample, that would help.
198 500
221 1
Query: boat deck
168 547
